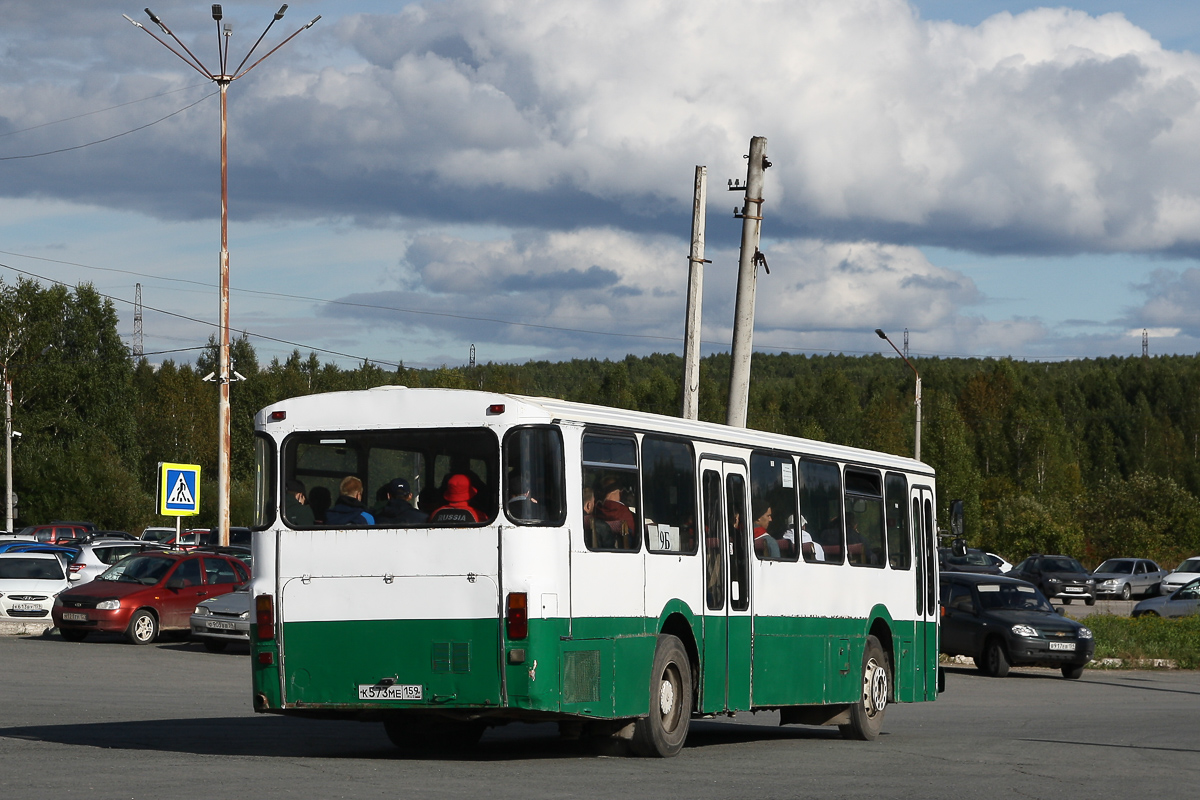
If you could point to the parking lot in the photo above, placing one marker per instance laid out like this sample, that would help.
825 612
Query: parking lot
107 719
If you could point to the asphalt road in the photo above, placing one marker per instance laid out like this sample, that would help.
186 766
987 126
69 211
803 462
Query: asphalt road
110 720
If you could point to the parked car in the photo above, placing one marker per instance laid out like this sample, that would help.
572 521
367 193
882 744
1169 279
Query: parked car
56 532
1002 622
221 620
1186 572
1125 577
1057 576
973 561
144 594
211 537
29 583
1180 603
157 534
96 556
1001 562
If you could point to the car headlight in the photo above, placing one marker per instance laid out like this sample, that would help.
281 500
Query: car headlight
1053 580
1024 630
202 611
244 615
1110 583
108 605
1085 633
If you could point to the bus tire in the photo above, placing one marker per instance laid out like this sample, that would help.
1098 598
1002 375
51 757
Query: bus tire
866 715
663 731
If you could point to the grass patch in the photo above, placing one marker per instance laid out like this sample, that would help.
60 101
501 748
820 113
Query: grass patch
1147 637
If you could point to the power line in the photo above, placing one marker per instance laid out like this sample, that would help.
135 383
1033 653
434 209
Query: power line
98 111
110 138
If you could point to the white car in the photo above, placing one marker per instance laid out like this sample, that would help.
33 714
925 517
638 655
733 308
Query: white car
96 556
1186 572
999 562
29 582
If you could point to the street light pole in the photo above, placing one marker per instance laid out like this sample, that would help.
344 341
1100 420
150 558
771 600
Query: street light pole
222 78
8 503
917 445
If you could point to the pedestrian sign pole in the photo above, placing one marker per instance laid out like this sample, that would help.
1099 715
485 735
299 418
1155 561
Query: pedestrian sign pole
178 492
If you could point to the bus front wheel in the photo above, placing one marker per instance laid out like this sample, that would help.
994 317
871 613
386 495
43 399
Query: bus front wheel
866 715
662 733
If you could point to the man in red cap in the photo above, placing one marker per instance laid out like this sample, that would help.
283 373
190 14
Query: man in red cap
457 496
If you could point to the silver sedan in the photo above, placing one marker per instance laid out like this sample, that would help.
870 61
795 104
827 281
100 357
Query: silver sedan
1181 603
224 619
1125 577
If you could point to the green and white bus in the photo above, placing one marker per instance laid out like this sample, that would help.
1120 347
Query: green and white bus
618 572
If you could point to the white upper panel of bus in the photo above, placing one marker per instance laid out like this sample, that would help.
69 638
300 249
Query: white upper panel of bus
387 407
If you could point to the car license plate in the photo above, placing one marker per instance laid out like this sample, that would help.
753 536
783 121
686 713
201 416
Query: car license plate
219 625
75 616
1075 589
394 692
26 607
1062 645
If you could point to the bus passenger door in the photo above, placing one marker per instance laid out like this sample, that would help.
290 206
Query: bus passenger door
725 672
924 528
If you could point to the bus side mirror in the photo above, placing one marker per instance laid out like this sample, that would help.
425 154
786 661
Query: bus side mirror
956 519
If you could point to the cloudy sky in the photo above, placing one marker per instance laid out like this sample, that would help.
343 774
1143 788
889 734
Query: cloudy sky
407 180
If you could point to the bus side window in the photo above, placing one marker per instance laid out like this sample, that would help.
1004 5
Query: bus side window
610 470
669 482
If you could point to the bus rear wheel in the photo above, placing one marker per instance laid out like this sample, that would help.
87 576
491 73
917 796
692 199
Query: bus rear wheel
866 715
662 733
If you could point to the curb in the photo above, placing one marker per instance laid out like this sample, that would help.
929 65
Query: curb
31 627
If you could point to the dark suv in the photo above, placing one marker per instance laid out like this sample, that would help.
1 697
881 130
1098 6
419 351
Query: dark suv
1000 621
1058 576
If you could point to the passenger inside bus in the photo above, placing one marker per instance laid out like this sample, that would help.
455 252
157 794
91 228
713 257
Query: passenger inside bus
615 527
295 506
398 509
764 543
349 508
457 508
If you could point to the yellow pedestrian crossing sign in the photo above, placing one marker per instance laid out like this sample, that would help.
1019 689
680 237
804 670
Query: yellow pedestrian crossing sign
178 489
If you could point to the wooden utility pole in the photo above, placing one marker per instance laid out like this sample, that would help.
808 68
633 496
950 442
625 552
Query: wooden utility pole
695 298
743 318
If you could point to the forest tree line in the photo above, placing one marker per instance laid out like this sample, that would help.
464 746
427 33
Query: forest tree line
1092 457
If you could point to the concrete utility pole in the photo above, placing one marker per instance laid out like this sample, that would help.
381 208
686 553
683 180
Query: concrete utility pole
8 495
743 318
222 77
695 298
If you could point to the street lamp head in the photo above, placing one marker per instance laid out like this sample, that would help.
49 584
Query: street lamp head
879 332
229 29
279 13
314 22
216 12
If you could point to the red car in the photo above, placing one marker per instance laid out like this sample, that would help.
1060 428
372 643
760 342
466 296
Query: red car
147 593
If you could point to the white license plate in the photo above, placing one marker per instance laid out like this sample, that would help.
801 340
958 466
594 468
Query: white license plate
219 625
26 607
394 692
75 616
1062 645
1074 589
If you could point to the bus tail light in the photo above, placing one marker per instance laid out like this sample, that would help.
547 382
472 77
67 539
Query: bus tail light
278 416
264 612
517 617
495 408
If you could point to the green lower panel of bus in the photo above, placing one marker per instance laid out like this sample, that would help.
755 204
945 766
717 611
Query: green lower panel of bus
596 667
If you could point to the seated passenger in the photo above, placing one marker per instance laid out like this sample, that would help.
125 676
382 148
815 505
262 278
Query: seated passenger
399 509
349 508
522 505
616 516
458 509
295 507
764 543
812 550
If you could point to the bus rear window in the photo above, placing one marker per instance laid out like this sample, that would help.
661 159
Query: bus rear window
393 478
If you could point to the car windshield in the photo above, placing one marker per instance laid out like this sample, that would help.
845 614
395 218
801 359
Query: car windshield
1012 596
975 558
35 569
138 569
1062 565
1116 566
1191 565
